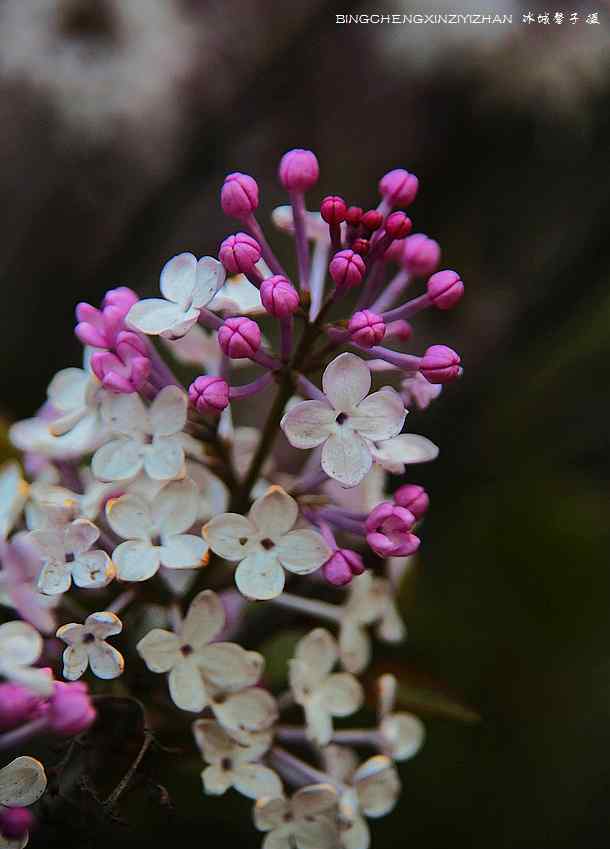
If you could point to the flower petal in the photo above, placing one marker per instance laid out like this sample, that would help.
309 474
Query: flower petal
253 709
130 517
318 650
346 381
80 536
318 721
183 551
159 649
164 459
380 416
117 460
205 619
378 786
308 424
210 279
275 513
103 624
155 316
168 411
403 735
230 536
302 551
354 647
316 834
105 661
186 686
55 578
229 667
216 780
212 740
260 576
136 560
21 643
356 835
313 800
177 281
93 570
174 509
342 694
270 813
76 660
22 782
257 781
125 414
394 454
346 457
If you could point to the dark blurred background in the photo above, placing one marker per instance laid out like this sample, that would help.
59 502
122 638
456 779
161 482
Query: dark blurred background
120 118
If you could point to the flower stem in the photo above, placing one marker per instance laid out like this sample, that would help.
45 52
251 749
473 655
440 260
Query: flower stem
309 606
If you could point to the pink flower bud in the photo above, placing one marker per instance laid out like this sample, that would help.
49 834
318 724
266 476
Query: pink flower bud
122 298
395 252
341 567
333 209
15 823
125 371
279 296
17 705
372 220
399 187
399 329
69 710
299 170
388 530
239 253
361 246
239 195
347 269
366 328
440 364
239 337
353 215
413 498
445 289
99 328
209 394
398 225
421 255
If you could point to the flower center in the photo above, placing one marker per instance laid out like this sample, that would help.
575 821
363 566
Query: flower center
342 417
226 764
267 544
186 650
88 638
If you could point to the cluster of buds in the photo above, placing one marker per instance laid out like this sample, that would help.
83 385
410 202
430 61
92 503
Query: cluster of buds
135 477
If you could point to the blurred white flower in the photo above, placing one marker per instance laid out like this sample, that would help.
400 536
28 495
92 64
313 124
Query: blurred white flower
402 734
13 495
305 821
20 646
22 783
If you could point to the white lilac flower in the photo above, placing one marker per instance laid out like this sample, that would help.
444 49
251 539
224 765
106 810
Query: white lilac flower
13 495
321 692
316 229
149 439
213 495
369 790
155 531
71 424
370 601
419 392
347 424
233 764
406 448
87 646
264 544
201 673
306 821
20 646
402 734
187 285
22 783
65 548
238 296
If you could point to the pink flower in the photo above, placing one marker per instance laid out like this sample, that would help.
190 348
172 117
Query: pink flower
126 370
440 364
445 289
399 187
347 269
299 170
412 497
18 705
209 394
388 530
70 710
239 253
100 328
342 566
239 337
366 328
279 296
421 255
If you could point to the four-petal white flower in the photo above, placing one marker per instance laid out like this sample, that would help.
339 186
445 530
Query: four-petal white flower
233 764
265 544
149 439
321 692
155 531
348 424
402 734
87 646
305 821
187 285
22 782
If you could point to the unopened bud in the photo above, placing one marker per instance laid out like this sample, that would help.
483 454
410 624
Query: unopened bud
440 364
333 209
399 187
239 253
445 289
279 296
239 195
347 269
209 394
412 497
299 170
239 337
366 328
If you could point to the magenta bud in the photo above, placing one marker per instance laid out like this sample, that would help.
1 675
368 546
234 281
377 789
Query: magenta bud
239 253
372 220
299 170
399 329
388 530
239 195
209 394
69 710
279 296
15 823
395 251
413 498
366 328
421 255
122 297
341 567
361 246
440 364
399 187
126 370
333 209
353 215
239 337
347 269
445 289
17 705
398 225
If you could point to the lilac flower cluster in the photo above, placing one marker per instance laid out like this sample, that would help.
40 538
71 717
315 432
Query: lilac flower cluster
136 479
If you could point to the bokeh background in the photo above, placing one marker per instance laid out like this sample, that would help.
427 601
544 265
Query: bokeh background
119 119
